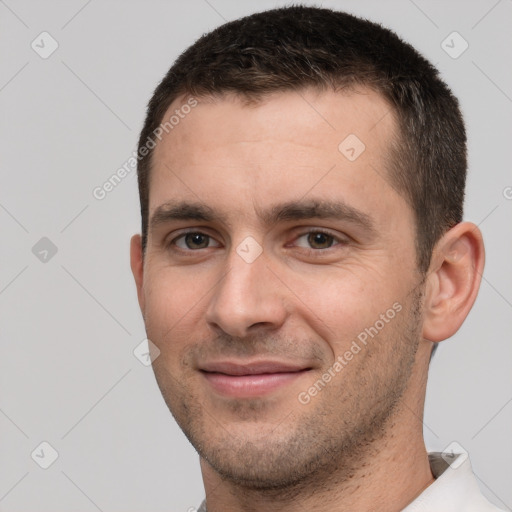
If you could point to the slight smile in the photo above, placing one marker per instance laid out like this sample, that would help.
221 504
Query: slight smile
251 379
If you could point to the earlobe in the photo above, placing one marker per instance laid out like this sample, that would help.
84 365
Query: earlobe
137 266
453 281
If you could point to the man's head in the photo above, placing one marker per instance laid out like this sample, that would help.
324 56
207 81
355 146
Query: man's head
286 269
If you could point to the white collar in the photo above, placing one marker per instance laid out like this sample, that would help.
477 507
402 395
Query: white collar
455 488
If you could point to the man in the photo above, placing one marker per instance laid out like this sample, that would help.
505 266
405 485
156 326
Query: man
301 179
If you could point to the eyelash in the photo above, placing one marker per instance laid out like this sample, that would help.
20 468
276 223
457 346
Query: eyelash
337 241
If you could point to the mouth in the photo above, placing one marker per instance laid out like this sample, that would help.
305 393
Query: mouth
251 379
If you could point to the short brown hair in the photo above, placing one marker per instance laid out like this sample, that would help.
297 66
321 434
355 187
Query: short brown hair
297 47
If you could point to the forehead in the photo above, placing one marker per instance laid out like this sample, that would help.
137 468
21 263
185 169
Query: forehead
236 157
306 116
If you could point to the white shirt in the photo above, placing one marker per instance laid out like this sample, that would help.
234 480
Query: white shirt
454 490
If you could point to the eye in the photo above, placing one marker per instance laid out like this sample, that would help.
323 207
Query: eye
317 240
194 240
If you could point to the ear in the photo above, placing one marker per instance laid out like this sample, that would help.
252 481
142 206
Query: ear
453 280
137 265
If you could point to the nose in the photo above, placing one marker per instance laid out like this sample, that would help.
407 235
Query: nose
248 298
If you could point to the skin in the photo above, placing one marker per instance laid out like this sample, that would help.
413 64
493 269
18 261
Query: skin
358 443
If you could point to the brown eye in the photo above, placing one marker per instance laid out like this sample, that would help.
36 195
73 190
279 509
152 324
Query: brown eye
319 240
192 241
196 240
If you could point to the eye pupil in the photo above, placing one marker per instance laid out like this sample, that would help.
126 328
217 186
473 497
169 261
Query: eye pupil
320 240
196 240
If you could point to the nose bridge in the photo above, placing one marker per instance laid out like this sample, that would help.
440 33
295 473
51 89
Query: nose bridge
247 295
242 279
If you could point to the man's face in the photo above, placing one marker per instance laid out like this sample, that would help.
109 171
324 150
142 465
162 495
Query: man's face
276 254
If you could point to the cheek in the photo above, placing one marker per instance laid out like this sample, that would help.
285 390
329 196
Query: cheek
341 306
173 304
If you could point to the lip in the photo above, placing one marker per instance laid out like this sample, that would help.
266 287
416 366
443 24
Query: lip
250 379
251 368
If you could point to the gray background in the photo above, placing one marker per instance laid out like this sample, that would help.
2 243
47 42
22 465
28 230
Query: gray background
70 323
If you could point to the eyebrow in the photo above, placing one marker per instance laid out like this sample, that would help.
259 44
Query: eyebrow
319 209
282 212
182 210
